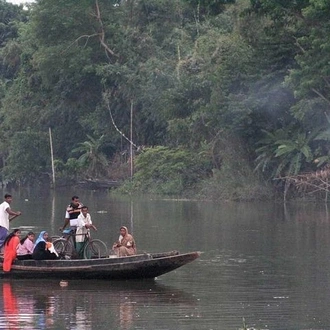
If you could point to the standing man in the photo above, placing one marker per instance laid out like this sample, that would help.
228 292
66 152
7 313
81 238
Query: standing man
72 212
84 223
6 215
71 215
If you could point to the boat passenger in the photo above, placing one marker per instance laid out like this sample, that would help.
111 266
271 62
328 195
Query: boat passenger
71 214
126 244
10 244
84 223
44 250
25 247
6 215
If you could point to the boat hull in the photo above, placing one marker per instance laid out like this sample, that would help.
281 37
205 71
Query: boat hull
144 266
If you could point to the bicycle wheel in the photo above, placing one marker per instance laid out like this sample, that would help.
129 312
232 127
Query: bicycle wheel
95 248
55 237
63 247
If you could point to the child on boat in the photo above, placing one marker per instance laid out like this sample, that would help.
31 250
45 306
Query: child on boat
25 247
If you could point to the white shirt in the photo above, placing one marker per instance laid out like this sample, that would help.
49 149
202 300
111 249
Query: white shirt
81 229
73 222
4 215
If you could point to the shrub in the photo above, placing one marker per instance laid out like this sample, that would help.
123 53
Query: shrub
168 171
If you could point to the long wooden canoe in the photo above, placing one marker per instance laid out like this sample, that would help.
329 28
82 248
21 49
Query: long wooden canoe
141 266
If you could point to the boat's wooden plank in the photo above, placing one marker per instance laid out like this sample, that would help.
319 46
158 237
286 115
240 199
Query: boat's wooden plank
121 268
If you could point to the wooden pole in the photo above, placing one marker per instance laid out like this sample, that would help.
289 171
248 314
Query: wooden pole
326 190
131 148
132 216
52 155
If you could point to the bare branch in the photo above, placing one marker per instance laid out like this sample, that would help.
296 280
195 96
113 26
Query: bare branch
321 95
114 124
299 45
83 36
102 33
311 183
326 81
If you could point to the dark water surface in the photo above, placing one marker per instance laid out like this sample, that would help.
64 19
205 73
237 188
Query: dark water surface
266 263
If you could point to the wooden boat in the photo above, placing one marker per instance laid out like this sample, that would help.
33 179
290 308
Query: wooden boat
141 266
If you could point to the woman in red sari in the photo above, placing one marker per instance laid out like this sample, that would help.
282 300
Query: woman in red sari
10 252
126 244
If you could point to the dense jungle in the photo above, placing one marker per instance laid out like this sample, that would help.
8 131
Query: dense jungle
210 99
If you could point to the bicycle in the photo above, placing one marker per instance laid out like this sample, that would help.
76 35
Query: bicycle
91 249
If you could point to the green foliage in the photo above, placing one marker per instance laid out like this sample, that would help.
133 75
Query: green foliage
29 157
286 152
163 170
212 82
209 7
310 79
92 161
10 18
70 170
195 74
279 10
234 179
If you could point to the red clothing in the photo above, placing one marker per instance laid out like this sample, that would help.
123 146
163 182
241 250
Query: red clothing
10 253
10 307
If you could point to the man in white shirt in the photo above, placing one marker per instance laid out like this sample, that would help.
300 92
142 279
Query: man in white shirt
5 213
84 223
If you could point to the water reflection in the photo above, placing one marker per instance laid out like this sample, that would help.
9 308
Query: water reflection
84 305
266 262
24 311
9 307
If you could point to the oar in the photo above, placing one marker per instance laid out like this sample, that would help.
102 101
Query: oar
15 216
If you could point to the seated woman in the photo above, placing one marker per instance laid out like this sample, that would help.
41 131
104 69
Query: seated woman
11 242
25 247
44 250
125 245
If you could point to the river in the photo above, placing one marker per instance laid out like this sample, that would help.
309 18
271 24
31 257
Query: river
265 263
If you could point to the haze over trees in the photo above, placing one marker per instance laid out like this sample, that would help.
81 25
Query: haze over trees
229 99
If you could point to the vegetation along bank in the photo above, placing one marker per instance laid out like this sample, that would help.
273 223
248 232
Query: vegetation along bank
211 99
